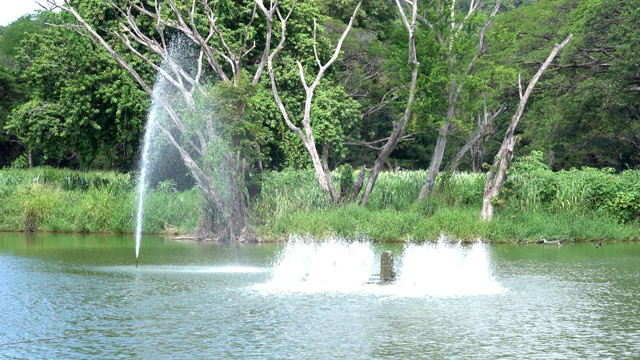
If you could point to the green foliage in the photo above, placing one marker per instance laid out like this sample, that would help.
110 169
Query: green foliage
45 199
37 204
36 200
333 116
81 105
14 33
286 192
12 94
427 207
396 190
586 204
231 108
69 180
172 212
584 113
375 15
39 125
462 188
531 187
347 183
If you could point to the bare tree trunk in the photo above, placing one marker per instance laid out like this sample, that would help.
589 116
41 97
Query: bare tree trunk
327 172
498 173
398 128
358 185
477 156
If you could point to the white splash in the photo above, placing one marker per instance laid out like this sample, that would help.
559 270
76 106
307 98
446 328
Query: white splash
446 269
439 269
310 266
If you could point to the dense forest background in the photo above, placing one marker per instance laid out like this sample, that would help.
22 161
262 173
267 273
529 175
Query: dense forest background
64 102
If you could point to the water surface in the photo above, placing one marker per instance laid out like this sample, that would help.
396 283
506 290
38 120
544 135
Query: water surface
78 297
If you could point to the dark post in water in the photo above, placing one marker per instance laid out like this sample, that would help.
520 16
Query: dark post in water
386 267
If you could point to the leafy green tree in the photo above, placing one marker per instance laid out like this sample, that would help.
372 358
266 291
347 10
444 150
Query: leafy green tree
311 80
230 41
12 91
83 110
374 15
459 41
409 15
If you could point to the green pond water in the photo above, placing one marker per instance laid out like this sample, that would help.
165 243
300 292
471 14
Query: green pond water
80 297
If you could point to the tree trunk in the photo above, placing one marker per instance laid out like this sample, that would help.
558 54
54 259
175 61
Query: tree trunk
398 128
436 161
477 155
498 173
358 185
455 87
327 173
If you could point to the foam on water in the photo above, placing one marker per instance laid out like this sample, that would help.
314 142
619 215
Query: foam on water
443 269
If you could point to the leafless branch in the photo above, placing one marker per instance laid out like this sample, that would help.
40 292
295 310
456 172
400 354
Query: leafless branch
382 104
370 144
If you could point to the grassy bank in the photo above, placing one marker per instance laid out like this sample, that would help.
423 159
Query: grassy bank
45 199
583 205
586 205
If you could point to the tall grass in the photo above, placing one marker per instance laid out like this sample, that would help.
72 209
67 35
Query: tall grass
534 188
45 199
536 203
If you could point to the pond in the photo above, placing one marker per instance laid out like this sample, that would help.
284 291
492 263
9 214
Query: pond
79 297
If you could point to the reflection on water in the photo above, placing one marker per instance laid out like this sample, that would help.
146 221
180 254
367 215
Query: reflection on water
81 297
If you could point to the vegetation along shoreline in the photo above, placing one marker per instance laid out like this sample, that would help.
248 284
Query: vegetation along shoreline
575 205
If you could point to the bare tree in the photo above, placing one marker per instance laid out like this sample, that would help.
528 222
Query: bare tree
409 21
305 133
455 86
498 173
223 191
